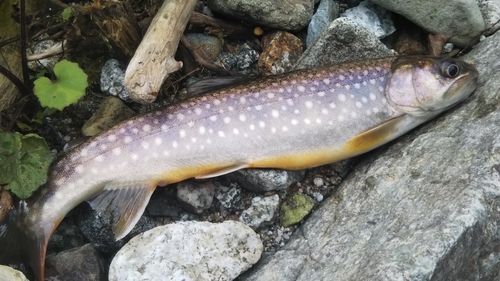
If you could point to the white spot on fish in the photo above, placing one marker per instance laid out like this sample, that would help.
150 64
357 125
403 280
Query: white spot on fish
83 153
381 78
364 100
190 124
216 102
262 124
326 81
357 86
307 121
146 128
273 130
342 77
243 100
227 120
321 94
342 97
296 111
284 128
158 140
230 108
384 100
156 121
122 130
207 106
221 134
294 122
134 156
380 89
359 104
242 117
193 139
365 72
182 133
318 120
347 87
283 108
166 153
145 145
198 111
175 144
135 130
324 111
236 131
94 170
301 88
164 128
213 118
99 158
375 110
372 96
368 112
341 118
309 104
258 107
290 102
201 130
252 127
353 114
127 139
111 137
117 151
332 105
79 169
372 81
275 113
270 95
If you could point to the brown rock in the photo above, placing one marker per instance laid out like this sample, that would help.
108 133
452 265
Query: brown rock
280 52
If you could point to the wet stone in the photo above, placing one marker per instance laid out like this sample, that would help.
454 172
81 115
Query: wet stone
111 112
295 208
112 77
230 198
86 264
196 197
261 180
281 50
327 11
372 17
261 211
208 46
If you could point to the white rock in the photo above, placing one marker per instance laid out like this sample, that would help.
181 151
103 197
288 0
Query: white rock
188 251
8 273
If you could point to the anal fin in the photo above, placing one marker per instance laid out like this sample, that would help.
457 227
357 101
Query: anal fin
222 171
124 203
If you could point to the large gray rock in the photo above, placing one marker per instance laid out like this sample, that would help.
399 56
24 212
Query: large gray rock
343 40
188 251
460 18
280 14
427 208
8 273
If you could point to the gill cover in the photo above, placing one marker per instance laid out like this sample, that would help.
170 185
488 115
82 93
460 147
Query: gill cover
429 85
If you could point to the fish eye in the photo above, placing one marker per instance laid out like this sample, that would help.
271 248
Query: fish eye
450 69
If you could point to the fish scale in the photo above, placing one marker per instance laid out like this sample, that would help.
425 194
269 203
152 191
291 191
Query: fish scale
293 121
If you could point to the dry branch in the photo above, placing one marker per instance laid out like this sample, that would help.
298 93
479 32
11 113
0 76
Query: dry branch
154 58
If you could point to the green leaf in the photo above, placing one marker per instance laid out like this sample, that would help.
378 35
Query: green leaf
67 13
68 89
25 163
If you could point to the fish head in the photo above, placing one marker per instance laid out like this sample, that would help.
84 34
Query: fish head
426 86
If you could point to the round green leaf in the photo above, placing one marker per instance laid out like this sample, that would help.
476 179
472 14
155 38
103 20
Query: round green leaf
67 89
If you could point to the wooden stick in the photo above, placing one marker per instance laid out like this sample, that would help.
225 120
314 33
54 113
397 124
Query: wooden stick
154 59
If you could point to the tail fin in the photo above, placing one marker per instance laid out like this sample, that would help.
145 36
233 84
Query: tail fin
22 242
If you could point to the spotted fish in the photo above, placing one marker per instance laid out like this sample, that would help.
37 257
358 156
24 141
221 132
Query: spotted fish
297 120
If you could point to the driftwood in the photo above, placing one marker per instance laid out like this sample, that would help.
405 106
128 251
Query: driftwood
154 58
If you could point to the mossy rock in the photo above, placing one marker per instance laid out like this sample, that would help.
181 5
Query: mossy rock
295 208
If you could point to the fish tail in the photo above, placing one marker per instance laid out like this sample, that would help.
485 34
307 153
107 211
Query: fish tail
22 242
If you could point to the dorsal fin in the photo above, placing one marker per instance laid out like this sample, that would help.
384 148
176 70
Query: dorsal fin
213 83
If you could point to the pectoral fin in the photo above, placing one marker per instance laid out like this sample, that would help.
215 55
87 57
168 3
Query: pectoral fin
124 203
378 135
223 171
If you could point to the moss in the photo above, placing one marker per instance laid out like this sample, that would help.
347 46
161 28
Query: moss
295 208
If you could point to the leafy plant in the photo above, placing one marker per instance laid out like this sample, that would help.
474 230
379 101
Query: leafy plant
67 13
67 89
25 162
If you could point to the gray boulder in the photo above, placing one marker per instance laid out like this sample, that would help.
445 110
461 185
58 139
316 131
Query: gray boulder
460 18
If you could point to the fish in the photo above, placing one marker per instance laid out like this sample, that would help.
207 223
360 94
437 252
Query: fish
297 120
